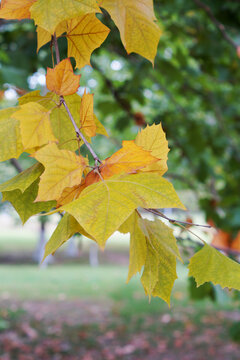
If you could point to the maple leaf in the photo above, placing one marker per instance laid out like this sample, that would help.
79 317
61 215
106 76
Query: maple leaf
63 168
104 206
35 96
138 244
159 272
35 125
61 80
88 125
209 264
235 245
60 122
23 180
100 129
136 22
128 159
84 35
16 9
11 142
153 138
66 228
49 13
44 36
70 194
23 202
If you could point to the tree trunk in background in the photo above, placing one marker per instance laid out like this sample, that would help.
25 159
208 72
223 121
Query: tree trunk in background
39 252
72 250
93 255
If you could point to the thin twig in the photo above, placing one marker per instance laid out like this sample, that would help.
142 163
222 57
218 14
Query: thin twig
79 134
173 221
217 23
62 101
179 223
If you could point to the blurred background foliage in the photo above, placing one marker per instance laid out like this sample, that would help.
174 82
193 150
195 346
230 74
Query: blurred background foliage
193 90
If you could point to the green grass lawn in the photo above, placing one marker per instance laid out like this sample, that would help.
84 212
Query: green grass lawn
12 241
84 282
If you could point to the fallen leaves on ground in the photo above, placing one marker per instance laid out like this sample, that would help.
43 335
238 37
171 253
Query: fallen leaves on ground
73 330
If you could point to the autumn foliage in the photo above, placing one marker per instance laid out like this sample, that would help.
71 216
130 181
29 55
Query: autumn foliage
96 200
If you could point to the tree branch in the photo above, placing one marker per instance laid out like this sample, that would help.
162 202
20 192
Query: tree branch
62 101
55 43
16 164
123 103
217 23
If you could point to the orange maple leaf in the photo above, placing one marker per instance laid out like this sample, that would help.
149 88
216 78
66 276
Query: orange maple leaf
221 240
16 9
238 51
70 194
235 245
62 80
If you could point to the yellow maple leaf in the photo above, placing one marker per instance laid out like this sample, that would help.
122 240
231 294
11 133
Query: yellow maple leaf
63 168
88 125
159 272
137 25
153 138
138 244
104 206
35 125
60 122
61 80
16 9
100 129
48 14
44 36
11 142
84 35
61 125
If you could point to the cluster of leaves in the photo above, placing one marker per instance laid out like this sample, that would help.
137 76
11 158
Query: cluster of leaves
52 128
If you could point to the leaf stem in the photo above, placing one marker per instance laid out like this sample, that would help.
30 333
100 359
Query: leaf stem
62 101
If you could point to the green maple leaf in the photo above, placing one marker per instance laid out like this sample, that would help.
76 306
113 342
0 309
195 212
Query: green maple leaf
209 264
